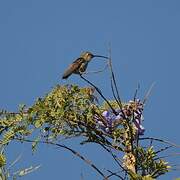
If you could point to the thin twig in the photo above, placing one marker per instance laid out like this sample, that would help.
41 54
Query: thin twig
136 91
126 175
114 157
151 142
148 93
97 89
99 71
166 156
14 162
114 174
163 149
160 140
69 149
112 82
175 165
113 78
114 95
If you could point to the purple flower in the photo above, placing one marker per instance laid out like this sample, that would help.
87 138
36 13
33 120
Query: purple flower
138 117
140 129
106 124
110 117
109 120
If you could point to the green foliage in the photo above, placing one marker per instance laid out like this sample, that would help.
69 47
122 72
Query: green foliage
2 160
69 111
149 164
58 113
7 136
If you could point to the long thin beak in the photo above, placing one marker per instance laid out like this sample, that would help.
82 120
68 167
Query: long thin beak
101 56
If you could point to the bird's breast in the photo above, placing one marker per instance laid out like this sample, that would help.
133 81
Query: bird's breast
83 67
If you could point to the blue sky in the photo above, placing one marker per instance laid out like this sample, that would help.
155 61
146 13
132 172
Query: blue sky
39 38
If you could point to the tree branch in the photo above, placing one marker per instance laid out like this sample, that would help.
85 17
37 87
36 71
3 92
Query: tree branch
69 149
97 89
160 140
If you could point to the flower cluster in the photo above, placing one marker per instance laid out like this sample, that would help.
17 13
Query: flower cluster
131 111
138 118
107 120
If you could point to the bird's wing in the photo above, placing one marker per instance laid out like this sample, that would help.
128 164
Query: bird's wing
72 68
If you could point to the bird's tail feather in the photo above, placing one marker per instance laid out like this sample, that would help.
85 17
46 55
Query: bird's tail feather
66 74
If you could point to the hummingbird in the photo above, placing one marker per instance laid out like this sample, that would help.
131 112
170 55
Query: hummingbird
80 64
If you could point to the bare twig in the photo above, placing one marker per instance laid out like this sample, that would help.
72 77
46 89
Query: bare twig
14 162
169 155
136 91
113 79
97 89
175 165
69 149
99 71
114 174
151 142
114 95
148 93
160 140
163 149
114 157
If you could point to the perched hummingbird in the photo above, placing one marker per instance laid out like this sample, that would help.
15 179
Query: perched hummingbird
79 65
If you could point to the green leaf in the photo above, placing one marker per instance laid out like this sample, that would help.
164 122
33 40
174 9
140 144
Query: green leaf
148 177
38 123
2 160
7 137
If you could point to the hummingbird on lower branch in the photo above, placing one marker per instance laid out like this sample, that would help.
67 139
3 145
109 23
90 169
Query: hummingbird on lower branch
80 64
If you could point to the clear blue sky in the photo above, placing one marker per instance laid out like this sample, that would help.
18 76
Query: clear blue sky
39 38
